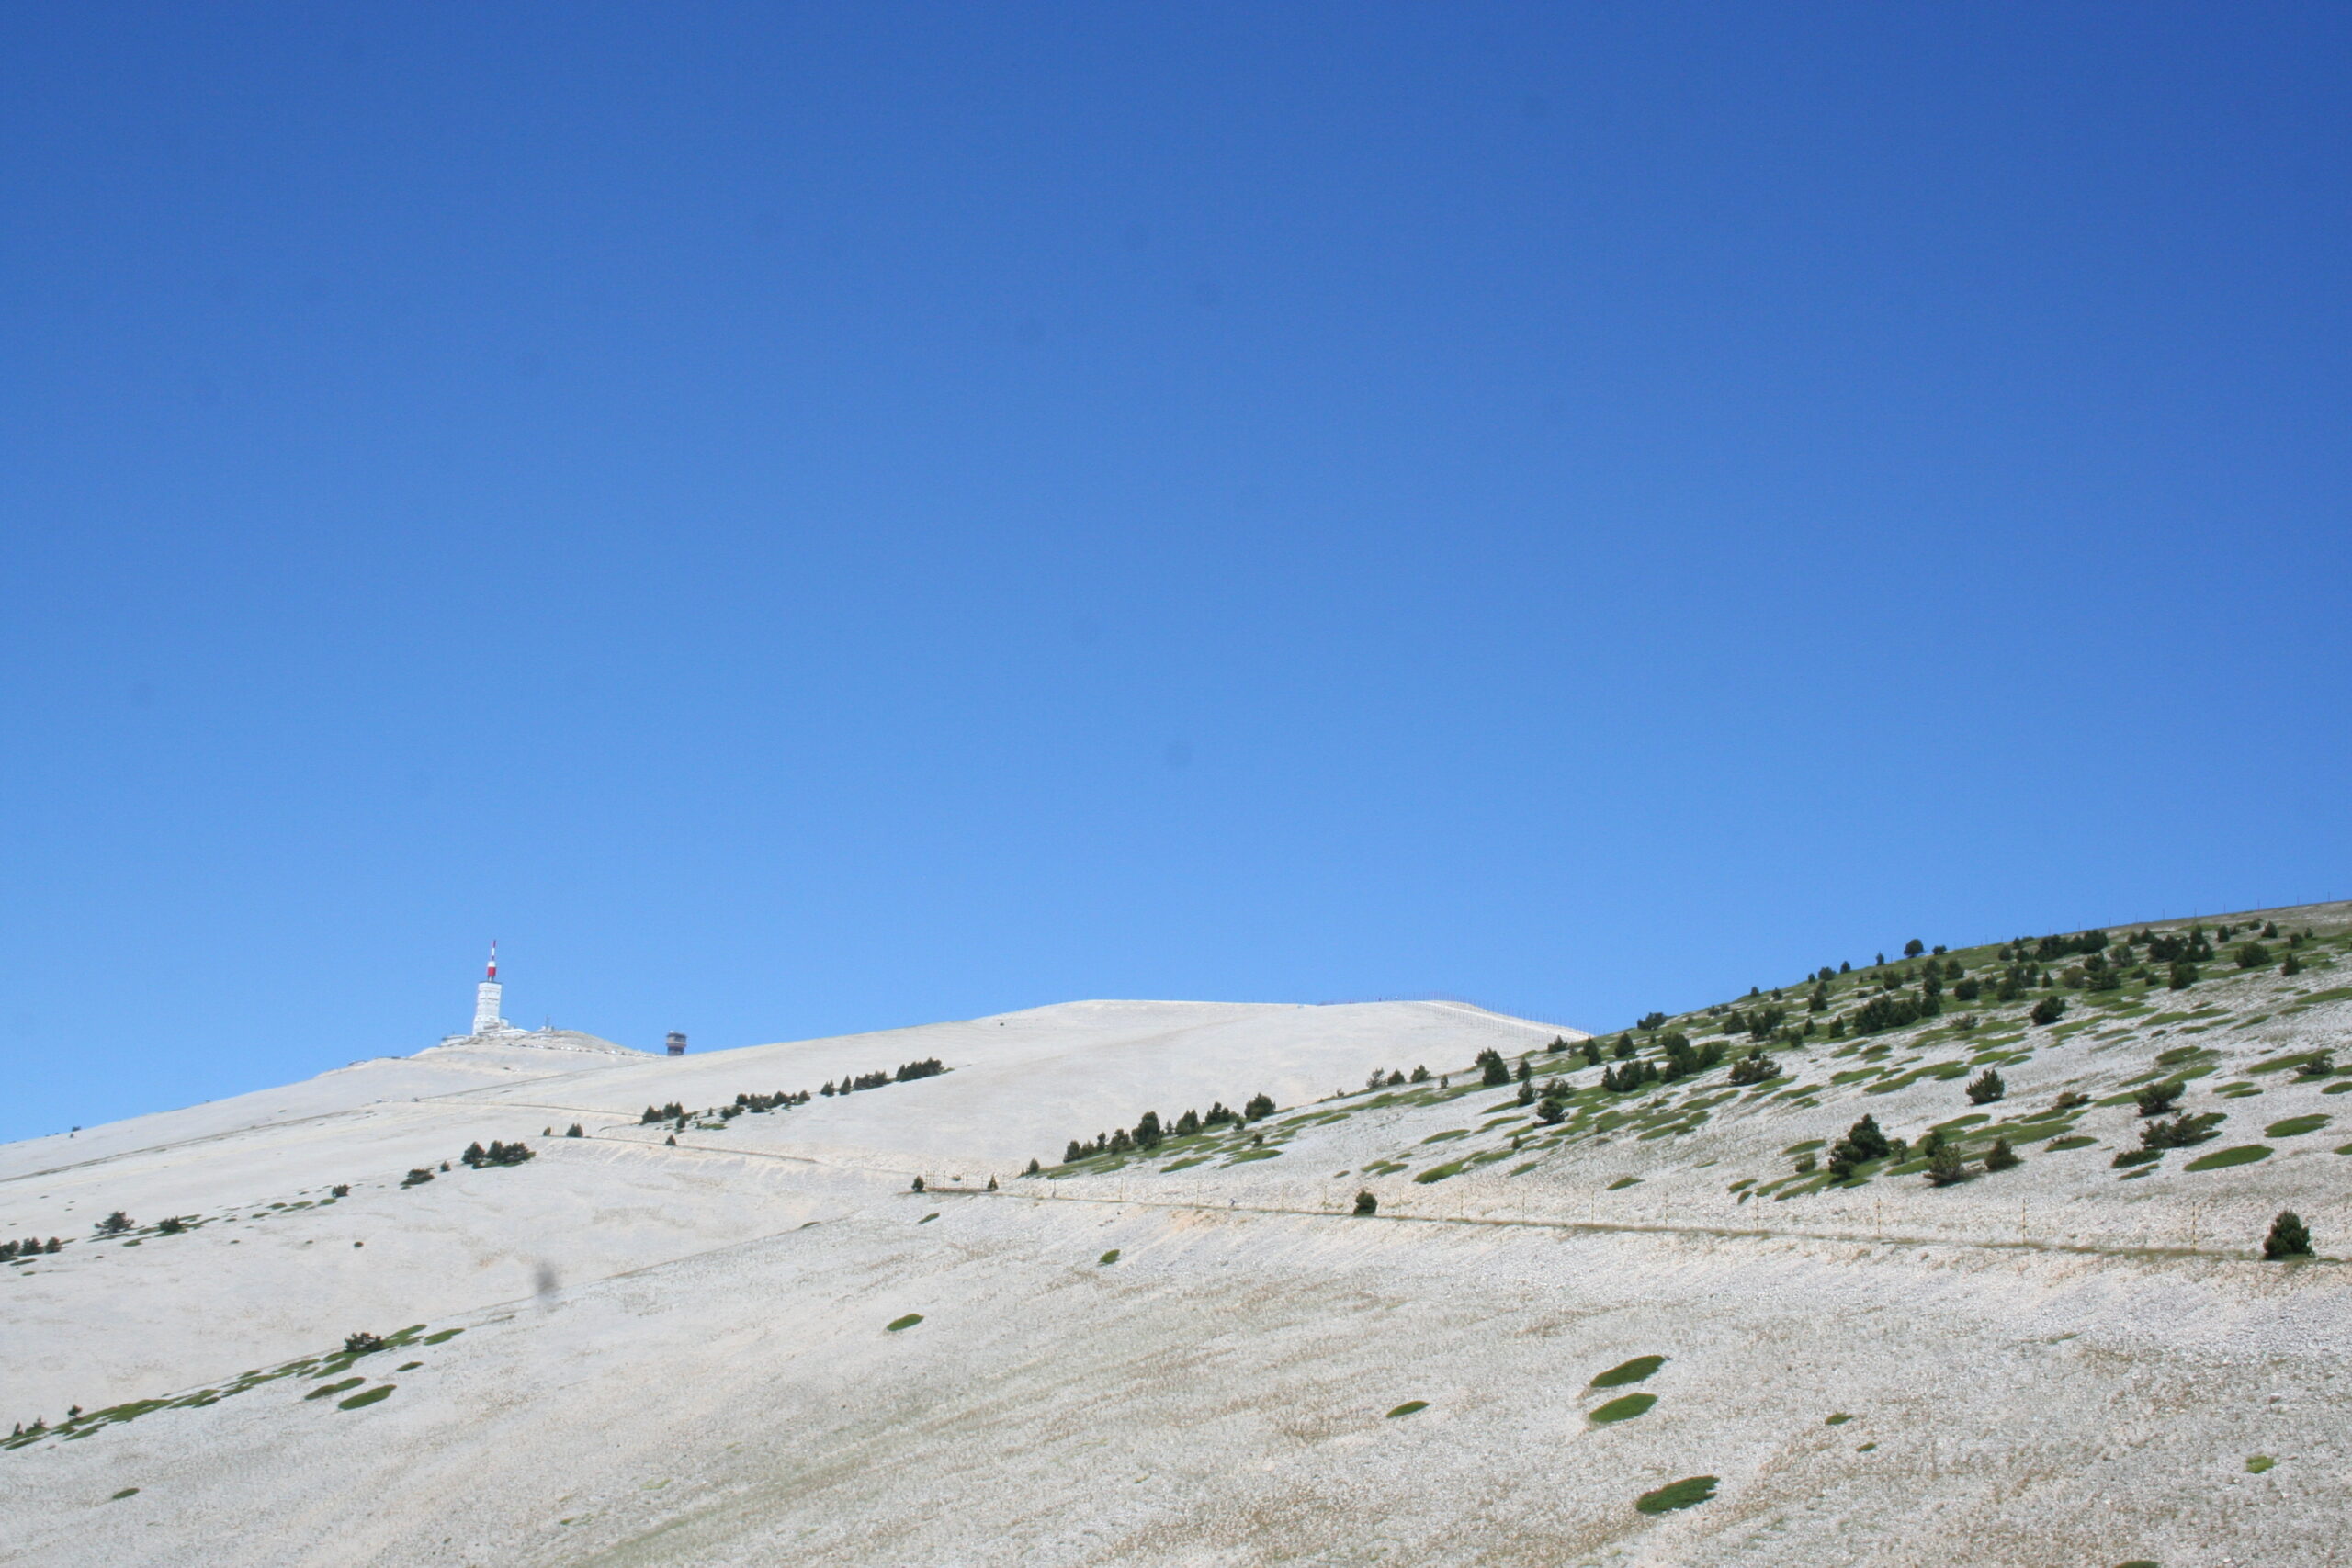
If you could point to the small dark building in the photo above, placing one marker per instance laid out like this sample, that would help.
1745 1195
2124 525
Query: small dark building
677 1043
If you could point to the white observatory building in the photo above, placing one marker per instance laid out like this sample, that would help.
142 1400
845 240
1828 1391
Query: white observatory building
487 998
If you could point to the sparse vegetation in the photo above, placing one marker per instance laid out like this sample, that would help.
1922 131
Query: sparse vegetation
1622 1408
1688 1493
1638 1370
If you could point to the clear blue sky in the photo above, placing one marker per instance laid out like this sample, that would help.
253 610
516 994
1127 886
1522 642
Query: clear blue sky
808 519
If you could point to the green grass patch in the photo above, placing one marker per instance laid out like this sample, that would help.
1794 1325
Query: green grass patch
1624 1182
1837 1418
899 1324
381 1391
1638 1370
1253 1154
408 1365
1448 1135
1439 1172
2222 1160
1185 1164
928 1218
1409 1408
2255 1464
327 1390
2296 1126
443 1337
1807 1148
1624 1407
1688 1493
1107 1258
2236 1092
2077 1142
126 1492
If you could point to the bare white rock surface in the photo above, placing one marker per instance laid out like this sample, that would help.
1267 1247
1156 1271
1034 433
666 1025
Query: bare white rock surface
682 1354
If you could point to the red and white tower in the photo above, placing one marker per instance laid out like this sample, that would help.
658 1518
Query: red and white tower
487 997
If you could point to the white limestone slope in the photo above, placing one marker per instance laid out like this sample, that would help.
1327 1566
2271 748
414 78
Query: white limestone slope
684 1353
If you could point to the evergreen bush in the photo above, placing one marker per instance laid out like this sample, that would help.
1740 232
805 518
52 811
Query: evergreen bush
2156 1098
1034 1167
2254 955
2288 1237
2049 1010
918 1186
1863 1142
2182 975
1945 1166
2182 1131
574 1130
1493 1071
1261 1106
340 1190
1367 1204
2000 1156
115 1224
1986 1088
420 1175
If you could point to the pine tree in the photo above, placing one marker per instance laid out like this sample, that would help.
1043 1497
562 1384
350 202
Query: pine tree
2156 1098
115 1224
1367 1204
1862 1142
1034 1168
1913 948
1592 1053
1945 1166
992 1183
1987 1089
2000 1156
574 1132
2288 1238
1148 1134
1493 1071
1076 1152
2049 1010
918 1184
1259 1107
1526 1095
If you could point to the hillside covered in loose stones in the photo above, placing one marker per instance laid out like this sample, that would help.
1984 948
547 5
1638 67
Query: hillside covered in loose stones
1948 1254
